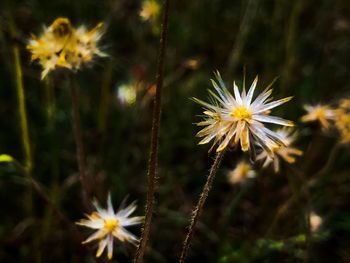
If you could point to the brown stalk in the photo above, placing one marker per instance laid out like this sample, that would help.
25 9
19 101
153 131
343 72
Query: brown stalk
196 213
153 158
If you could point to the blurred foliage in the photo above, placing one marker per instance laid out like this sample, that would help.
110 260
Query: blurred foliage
305 43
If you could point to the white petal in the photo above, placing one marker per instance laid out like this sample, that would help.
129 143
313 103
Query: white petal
226 141
237 95
251 91
127 211
273 104
272 119
261 98
95 224
101 247
110 247
124 235
97 235
131 221
109 204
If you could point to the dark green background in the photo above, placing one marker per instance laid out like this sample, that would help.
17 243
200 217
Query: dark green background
304 42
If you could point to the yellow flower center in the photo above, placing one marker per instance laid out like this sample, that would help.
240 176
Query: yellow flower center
320 113
111 224
243 171
241 113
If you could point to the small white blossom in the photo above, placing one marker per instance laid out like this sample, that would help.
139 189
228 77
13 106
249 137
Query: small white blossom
239 118
285 152
315 222
324 114
109 225
241 173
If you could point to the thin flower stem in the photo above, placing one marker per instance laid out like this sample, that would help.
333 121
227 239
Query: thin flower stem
28 162
22 111
199 207
86 193
153 159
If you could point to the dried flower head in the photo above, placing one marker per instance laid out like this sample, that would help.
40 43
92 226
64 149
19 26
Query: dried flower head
150 10
232 119
241 173
62 46
285 152
342 120
323 114
109 225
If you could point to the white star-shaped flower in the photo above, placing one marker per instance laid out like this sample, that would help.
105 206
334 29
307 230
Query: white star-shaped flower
109 225
240 118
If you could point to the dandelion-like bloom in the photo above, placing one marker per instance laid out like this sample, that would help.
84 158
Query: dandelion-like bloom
62 46
285 152
150 10
109 225
241 173
323 114
342 120
239 118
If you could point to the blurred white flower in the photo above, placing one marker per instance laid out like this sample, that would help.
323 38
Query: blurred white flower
315 221
150 10
285 152
127 94
319 113
241 173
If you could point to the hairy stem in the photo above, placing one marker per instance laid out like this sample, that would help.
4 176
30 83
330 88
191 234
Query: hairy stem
199 207
153 159
86 194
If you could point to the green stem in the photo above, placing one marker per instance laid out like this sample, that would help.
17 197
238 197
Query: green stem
22 111
153 159
55 169
28 163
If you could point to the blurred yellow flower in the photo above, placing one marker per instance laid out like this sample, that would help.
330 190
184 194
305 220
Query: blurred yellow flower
109 225
342 120
286 152
232 119
61 45
150 10
241 173
127 93
192 63
320 113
